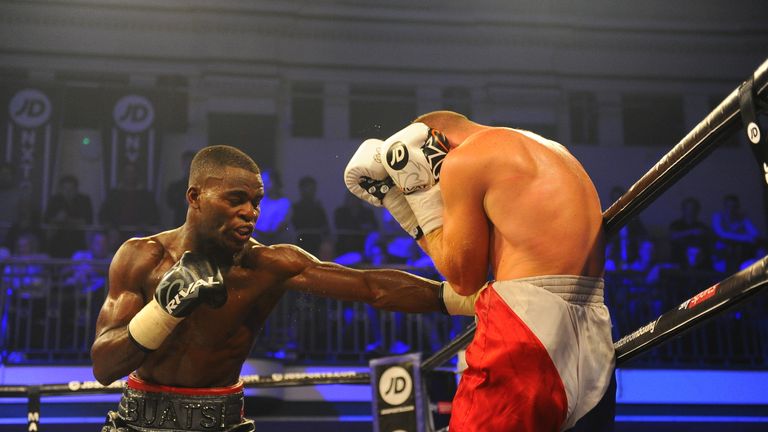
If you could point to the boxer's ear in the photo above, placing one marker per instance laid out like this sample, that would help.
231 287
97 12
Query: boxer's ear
193 197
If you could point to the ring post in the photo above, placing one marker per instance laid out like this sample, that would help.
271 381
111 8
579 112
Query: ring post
399 403
33 408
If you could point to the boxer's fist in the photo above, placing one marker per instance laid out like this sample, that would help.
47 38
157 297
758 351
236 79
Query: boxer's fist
413 157
367 179
365 176
192 281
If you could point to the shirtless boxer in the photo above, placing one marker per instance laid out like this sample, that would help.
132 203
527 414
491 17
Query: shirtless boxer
185 305
521 206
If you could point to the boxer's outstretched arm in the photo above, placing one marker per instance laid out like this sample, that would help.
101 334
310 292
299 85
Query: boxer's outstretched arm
383 289
113 354
460 248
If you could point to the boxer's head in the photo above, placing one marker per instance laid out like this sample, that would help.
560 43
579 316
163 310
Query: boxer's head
224 193
456 127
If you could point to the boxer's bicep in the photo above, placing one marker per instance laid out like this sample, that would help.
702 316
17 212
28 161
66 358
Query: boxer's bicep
128 271
463 249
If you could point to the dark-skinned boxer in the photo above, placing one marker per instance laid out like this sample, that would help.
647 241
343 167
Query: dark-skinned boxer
185 306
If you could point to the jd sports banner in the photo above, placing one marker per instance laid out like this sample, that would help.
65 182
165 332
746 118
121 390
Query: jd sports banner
30 128
131 140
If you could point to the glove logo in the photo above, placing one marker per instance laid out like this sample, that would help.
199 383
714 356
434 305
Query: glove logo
182 294
435 149
397 156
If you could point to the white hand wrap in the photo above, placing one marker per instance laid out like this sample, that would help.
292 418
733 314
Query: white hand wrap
412 158
456 304
427 205
367 179
151 326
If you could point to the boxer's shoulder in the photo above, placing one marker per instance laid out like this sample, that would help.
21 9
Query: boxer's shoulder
141 250
283 260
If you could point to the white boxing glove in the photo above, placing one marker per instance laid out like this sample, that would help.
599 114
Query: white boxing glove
367 179
413 158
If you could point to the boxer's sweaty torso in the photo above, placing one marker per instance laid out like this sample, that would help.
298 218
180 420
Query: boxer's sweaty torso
208 348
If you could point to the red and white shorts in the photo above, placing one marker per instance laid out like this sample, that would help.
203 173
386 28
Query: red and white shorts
542 356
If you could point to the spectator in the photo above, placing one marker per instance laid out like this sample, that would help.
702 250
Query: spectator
130 209
272 224
624 246
27 221
176 193
353 221
735 235
648 263
70 211
309 218
88 272
689 237
85 284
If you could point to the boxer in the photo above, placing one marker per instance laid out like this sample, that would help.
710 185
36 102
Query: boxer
185 306
522 206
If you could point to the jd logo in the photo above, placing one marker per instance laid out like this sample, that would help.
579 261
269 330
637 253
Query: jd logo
30 108
134 113
397 156
753 133
395 385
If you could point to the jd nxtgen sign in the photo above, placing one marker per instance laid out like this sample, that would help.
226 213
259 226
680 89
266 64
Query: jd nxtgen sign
397 394
132 141
29 136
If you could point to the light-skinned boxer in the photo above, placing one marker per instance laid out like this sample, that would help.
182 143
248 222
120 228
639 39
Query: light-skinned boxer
517 205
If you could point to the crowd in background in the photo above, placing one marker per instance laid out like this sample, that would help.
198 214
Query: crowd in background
353 234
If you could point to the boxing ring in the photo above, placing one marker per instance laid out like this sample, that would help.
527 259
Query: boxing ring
740 108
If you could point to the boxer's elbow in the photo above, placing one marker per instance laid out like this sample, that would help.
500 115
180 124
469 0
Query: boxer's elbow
102 373
466 288
104 365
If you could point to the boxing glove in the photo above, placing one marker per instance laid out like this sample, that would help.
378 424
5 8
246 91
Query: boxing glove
189 283
413 158
367 179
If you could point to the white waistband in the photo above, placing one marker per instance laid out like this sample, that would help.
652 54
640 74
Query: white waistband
573 289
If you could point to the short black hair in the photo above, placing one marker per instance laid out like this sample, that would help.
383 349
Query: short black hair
213 158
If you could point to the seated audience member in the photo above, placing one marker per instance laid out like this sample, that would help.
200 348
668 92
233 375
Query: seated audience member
624 246
689 235
648 262
272 224
88 271
353 221
735 235
27 221
129 209
70 211
308 217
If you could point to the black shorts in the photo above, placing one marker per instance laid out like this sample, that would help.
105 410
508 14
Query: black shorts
149 407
